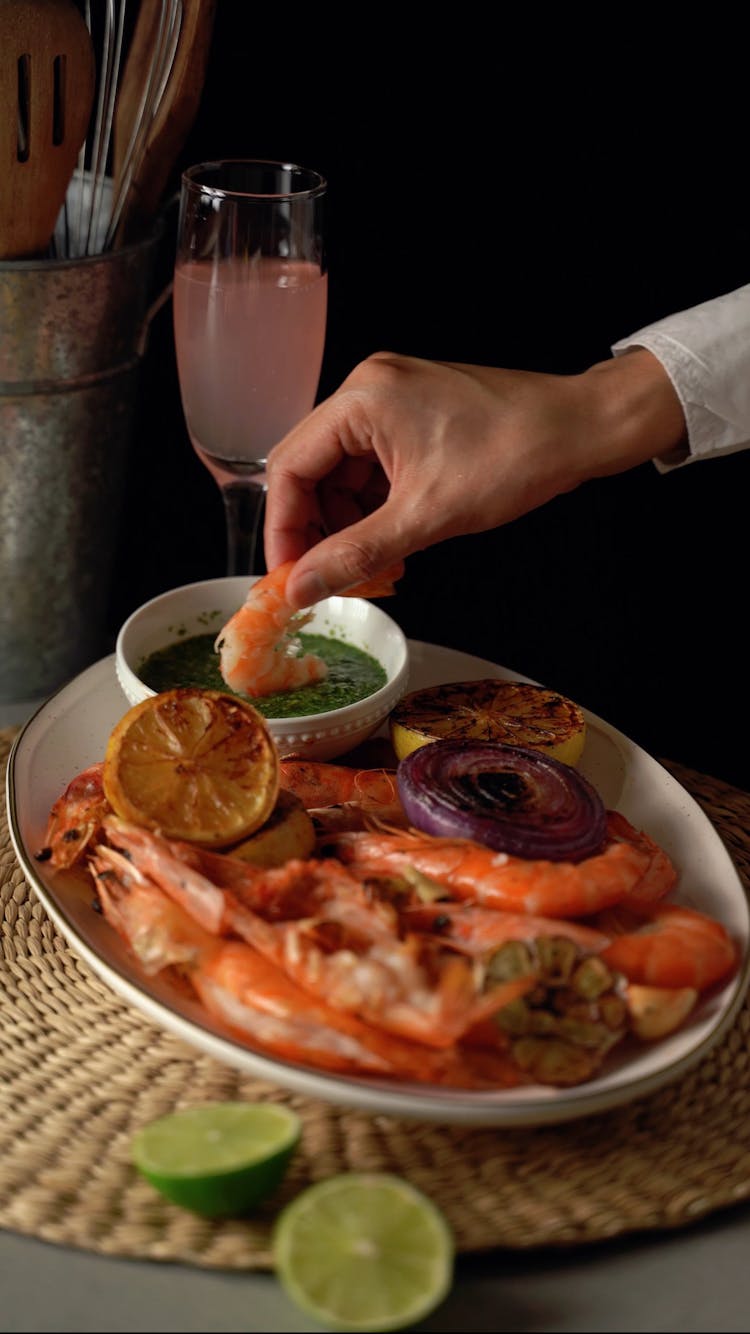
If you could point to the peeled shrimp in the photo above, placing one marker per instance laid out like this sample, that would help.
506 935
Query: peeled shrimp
259 652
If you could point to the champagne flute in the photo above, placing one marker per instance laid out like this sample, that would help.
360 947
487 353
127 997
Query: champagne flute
250 302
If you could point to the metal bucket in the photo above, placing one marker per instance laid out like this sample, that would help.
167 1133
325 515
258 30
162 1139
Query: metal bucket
72 337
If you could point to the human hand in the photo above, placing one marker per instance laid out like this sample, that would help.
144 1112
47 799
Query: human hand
409 452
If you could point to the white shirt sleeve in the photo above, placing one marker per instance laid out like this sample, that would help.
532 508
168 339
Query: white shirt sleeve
706 353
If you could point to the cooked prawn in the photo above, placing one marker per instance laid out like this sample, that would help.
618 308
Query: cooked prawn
249 994
212 887
319 784
259 651
75 818
479 931
339 945
661 951
246 991
157 930
660 875
340 797
667 945
235 983
498 880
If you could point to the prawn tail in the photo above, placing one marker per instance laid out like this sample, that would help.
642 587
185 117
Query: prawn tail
381 585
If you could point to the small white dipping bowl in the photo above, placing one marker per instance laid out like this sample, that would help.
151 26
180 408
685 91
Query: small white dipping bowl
203 608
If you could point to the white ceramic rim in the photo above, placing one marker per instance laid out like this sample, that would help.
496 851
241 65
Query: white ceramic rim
348 718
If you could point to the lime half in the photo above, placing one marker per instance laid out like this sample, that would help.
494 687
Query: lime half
219 1159
364 1251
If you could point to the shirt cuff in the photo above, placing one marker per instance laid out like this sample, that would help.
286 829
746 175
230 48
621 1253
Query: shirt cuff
705 351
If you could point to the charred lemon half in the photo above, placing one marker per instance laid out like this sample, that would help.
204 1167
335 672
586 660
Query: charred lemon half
193 764
513 712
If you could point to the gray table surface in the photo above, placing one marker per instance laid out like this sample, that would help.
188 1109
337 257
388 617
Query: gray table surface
696 1278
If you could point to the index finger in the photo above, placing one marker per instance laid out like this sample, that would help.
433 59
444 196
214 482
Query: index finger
293 521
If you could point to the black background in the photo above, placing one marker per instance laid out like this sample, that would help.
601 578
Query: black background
516 190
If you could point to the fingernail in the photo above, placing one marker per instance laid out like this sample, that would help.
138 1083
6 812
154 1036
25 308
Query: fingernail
310 588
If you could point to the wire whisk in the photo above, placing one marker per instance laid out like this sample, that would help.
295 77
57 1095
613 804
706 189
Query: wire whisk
98 192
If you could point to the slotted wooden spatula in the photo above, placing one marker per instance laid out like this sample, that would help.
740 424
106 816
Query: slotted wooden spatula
47 79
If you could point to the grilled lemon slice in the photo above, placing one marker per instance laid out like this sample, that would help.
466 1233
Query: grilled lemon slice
514 712
194 764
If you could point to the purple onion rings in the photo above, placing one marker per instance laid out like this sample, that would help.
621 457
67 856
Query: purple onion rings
509 798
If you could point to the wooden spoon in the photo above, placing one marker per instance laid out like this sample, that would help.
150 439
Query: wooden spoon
47 79
176 113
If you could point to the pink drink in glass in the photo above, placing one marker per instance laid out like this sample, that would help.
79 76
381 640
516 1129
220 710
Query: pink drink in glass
250 335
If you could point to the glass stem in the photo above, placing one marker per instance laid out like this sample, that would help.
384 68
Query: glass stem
243 506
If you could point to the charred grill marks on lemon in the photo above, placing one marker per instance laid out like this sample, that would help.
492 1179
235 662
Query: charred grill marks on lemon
516 713
194 764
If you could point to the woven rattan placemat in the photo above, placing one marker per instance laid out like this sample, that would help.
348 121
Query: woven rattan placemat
80 1071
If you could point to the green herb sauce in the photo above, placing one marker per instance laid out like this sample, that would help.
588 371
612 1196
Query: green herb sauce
352 675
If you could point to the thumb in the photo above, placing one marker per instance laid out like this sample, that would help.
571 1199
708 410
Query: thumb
338 563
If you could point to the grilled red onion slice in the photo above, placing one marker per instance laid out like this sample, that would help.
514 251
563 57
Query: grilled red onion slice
509 798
